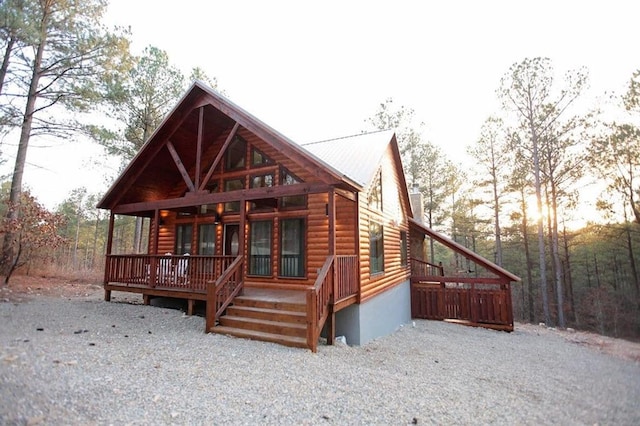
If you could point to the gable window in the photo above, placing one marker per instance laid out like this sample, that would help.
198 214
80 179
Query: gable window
292 248
207 239
292 201
184 233
375 195
260 248
259 159
233 185
403 248
236 153
376 248
261 181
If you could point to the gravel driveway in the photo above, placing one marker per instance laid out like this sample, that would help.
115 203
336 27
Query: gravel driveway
85 361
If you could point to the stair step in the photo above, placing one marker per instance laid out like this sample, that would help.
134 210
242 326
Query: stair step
292 341
268 304
265 326
267 314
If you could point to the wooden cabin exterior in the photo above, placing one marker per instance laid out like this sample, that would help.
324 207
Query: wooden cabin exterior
280 240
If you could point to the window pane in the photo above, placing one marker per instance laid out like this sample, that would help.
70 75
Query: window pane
258 158
235 154
261 181
292 255
376 248
293 200
233 185
260 248
184 234
287 178
375 196
207 239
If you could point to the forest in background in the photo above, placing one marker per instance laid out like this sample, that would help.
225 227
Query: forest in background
516 196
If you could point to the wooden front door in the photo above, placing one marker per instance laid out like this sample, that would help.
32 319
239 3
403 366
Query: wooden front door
231 239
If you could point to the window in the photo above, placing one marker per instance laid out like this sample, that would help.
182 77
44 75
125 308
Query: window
184 233
261 181
292 201
259 159
233 185
376 248
236 153
260 248
292 248
403 248
207 239
375 195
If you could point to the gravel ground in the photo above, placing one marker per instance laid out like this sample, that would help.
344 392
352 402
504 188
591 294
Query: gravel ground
85 361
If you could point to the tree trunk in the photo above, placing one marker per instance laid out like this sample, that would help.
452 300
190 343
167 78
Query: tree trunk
556 259
541 245
496 210
13 214
568 277
5 61
527 254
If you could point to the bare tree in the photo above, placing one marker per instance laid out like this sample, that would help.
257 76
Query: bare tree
526 90
60 68
492 155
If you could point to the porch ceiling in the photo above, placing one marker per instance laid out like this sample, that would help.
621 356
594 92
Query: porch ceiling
156 176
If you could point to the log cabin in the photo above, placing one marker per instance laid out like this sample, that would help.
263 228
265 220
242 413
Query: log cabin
286 242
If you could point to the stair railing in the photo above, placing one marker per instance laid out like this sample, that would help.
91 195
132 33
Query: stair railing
220 293
319 298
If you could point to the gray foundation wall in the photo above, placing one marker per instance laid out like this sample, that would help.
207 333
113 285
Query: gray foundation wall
377 317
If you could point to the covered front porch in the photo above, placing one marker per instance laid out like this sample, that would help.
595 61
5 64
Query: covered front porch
219 281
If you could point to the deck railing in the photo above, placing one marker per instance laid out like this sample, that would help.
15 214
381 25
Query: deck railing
483 301
421 268
318 300
337 280
346 283
221 292
189 273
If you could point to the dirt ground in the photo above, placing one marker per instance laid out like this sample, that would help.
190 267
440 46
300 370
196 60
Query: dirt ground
24 288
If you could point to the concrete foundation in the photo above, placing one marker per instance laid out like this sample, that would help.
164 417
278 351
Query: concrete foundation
377 317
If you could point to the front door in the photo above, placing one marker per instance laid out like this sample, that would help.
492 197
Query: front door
231 239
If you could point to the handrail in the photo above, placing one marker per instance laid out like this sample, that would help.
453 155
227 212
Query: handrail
221 292
319 298
422 268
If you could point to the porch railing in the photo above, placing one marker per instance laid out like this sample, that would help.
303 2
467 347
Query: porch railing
190 273
221 292
337 280
421 268
477 302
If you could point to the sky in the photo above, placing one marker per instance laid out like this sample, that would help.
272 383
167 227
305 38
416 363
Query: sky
318 70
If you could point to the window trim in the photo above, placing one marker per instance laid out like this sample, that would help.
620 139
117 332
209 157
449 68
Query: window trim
379 249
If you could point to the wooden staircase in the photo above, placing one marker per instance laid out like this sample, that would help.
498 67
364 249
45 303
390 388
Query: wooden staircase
277 317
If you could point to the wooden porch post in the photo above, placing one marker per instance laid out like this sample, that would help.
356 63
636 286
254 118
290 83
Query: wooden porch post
331 326
243 250
156 220
107 293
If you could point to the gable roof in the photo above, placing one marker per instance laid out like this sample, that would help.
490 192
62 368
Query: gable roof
152 173
357 156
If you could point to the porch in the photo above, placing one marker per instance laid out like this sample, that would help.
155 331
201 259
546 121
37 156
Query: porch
274 314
